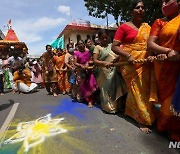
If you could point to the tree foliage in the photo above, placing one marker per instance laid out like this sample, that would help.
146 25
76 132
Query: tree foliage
121 9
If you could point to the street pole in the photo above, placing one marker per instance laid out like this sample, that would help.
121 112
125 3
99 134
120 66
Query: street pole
107 20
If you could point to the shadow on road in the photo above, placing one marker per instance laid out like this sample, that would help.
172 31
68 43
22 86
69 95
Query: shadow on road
153 142
5 106
127 118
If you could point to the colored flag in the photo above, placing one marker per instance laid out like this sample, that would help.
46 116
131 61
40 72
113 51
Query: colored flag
58 43
9 22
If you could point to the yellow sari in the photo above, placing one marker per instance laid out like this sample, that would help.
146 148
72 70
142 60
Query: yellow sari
140 80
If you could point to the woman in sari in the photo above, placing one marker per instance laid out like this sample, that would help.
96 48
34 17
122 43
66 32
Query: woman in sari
130 43
85 77
110 81
6 74
89 46
164 42
62 74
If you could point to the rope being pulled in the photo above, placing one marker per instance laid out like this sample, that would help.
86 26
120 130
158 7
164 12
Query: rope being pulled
134 62
118 64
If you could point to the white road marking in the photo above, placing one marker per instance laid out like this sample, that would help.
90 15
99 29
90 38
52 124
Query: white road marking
7 122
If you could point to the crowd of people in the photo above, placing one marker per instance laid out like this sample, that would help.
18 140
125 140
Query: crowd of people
146 91
20 75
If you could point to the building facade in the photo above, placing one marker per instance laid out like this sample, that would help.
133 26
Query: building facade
83 30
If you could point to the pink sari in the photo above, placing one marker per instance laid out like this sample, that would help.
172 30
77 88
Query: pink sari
87 80
37 77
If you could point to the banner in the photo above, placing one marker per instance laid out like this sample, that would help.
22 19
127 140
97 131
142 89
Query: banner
58 43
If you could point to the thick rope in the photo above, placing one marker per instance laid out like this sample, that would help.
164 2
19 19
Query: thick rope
116 64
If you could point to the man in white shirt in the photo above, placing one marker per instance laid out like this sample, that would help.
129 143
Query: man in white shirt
14 60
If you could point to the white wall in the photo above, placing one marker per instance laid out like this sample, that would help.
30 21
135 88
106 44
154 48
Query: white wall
73 36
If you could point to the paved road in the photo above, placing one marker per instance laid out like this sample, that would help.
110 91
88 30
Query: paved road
87 130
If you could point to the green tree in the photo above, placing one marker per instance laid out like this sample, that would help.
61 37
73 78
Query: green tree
121 9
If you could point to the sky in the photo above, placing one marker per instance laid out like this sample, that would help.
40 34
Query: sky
39 22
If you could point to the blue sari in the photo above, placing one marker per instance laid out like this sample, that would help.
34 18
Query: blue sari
176 97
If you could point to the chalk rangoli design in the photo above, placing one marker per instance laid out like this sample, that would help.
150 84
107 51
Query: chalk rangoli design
35 132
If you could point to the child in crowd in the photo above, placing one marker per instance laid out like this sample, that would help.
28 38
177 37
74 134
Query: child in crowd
69 62
37 77
72 79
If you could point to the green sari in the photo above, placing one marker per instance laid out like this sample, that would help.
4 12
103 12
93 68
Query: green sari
110 81
7 81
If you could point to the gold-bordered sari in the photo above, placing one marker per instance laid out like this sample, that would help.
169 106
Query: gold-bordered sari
110 81
140 80
166 75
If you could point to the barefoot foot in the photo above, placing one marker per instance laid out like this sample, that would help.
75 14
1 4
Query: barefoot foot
90 105
54 94
145 129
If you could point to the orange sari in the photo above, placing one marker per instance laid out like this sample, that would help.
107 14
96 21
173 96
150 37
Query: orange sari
140 81
62 75
166 75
